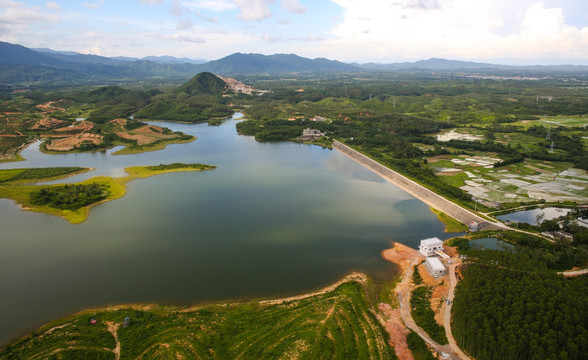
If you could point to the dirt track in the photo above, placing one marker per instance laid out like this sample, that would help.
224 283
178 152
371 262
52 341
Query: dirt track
420 192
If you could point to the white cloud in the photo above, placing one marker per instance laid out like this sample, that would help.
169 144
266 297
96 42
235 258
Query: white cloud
95 5
213 20
211 5
18 13
184 24
176 9
465 29
151 2
187 37
52 5
294 6
254 9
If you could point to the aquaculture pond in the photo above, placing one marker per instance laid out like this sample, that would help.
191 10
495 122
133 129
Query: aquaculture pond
531 216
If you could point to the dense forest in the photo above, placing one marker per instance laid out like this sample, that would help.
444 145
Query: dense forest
69 196
510 306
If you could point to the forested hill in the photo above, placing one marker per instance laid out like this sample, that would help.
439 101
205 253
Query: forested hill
204 83
274 64
199 99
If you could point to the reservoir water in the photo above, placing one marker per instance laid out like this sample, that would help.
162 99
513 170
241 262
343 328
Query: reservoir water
273 219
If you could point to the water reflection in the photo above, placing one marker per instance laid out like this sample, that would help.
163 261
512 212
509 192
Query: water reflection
272 219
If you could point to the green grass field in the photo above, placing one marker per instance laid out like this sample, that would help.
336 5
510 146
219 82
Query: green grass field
337 325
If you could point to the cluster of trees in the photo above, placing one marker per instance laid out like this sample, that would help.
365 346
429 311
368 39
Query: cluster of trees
510 306
424 316
43 173
179 166
69 196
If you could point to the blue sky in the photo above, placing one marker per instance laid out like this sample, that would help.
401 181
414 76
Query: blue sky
498 31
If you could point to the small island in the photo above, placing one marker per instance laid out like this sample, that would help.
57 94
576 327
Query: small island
73 201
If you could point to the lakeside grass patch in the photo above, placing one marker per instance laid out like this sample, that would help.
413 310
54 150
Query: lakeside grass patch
451 225
339 324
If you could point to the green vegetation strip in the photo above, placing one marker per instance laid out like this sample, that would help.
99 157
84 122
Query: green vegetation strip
418 347
335 325
424 316
73 201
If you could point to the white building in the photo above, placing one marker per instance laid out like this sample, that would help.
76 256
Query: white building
428 246
435 266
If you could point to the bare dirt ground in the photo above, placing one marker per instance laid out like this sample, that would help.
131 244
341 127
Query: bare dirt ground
48 107
113 327
439 294
407 258
145 135
404 257
71 142
80 126
238 86
48 123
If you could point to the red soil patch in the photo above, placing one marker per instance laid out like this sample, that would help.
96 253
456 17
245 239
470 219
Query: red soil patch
145 135
80 126
74 141
48 123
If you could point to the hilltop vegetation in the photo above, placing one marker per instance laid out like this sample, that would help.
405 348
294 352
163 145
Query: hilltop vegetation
336 325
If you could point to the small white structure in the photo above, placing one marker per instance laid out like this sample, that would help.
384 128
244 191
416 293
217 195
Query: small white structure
435 266
428 246
474 226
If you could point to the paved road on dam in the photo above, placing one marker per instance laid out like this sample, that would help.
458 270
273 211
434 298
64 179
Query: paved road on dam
427 196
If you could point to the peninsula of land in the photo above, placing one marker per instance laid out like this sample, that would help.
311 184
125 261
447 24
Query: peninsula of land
74 201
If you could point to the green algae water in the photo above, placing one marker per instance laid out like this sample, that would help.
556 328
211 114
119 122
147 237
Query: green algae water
273 219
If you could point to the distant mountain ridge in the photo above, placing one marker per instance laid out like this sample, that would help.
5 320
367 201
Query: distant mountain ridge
239 63
32 67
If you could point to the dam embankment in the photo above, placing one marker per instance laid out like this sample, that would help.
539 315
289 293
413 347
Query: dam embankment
427 196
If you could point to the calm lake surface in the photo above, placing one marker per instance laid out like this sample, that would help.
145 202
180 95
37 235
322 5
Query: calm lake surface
273 219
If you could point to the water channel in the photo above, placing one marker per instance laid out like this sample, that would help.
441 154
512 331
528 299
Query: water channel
273 219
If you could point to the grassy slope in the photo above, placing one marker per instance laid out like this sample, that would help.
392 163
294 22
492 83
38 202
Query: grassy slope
116 189
335 325
451 225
